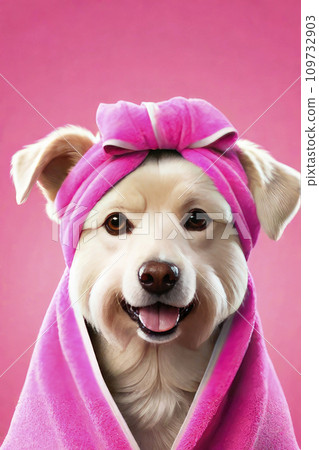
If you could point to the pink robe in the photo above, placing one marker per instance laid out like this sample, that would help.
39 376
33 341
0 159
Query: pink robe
65 403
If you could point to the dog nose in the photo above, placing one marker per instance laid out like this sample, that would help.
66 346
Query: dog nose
158 277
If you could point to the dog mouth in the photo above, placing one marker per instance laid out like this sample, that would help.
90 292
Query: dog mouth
158 319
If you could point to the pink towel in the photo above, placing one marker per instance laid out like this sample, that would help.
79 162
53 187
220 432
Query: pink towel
65 402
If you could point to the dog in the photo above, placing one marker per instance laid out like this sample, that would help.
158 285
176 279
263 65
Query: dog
154 320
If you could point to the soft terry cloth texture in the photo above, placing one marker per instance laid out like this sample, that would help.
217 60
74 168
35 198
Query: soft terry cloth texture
65 403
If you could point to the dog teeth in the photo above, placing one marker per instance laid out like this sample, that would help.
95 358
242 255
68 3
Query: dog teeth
134 313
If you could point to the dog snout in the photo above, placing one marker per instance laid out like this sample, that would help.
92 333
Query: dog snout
158 277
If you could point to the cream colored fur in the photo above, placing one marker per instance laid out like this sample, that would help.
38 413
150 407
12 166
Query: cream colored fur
154 383
48 162
275 187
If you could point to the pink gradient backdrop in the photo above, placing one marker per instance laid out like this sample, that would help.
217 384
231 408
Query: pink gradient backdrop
66 57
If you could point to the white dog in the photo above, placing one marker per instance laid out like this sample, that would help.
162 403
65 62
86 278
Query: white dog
154 319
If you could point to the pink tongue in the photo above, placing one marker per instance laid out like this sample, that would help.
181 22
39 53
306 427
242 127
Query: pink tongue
159 317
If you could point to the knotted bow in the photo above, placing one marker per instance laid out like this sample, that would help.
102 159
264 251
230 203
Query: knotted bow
175 124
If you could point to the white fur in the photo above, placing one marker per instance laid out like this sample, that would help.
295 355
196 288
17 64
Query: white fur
154 382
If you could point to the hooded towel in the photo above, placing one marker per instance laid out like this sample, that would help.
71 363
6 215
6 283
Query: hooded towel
65 403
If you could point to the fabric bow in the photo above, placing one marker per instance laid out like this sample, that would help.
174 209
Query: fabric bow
175 124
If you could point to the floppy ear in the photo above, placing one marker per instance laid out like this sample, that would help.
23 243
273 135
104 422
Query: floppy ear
274 186
48 161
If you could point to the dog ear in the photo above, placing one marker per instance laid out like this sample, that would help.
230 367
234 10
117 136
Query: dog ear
48 161
274 186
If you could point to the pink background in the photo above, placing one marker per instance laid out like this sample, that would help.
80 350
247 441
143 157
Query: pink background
67 56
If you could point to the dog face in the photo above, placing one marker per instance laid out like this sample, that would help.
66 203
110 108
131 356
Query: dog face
158 256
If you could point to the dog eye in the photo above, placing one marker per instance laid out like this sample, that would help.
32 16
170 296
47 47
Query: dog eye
197 220
117 223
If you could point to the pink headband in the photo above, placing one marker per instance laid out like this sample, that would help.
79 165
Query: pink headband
197 130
